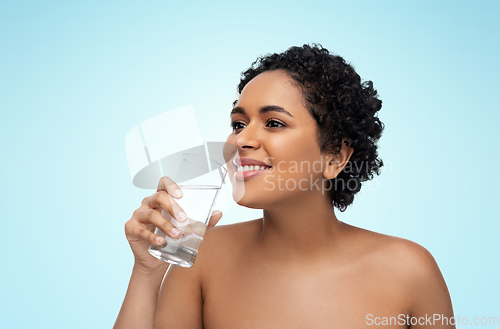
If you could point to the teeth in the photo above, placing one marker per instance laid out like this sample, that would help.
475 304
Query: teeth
252 168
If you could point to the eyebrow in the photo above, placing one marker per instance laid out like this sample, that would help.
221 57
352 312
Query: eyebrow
262 110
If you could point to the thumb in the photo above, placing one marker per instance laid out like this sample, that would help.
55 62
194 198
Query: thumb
214 219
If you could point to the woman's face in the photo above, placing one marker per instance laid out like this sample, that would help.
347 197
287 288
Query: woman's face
271 125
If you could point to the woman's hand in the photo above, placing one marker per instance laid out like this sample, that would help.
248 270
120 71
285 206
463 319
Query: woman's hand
139 229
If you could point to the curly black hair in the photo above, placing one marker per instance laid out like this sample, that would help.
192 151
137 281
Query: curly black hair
343 106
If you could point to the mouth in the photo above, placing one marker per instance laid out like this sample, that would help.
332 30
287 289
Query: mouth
249 171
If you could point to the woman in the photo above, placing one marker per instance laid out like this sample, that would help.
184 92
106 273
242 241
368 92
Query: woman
304 116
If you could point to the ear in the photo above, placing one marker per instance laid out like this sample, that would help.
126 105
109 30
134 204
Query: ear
335 163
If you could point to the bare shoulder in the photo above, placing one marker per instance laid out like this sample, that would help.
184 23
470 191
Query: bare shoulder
183 290
404 266
398 251
225 240
406 259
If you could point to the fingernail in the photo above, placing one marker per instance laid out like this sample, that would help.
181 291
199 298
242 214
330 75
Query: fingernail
182 216
159 240
175 231
216 212
178 193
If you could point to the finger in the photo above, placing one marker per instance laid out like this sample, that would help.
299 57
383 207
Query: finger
147 235
167 184
129 225
214 219
200 228
179 213
162 199
152 216
195 227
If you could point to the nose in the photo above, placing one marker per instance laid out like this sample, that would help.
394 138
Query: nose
247 138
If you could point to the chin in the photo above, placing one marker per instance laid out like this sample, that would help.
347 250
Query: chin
254 201
247 201
251 206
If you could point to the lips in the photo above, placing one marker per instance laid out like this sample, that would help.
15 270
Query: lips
244 168
240 175
249 162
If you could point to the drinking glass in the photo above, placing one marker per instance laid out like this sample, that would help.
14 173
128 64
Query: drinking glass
202 180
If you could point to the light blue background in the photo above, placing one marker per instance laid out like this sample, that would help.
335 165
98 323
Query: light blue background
75 77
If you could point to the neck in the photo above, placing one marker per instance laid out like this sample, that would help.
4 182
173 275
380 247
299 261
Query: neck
298 229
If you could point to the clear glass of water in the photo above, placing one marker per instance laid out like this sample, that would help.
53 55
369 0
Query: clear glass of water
200 193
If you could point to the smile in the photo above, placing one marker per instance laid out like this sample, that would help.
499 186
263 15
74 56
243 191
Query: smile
245 172
252 168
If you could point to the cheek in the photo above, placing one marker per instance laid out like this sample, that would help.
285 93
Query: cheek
230 148
230 151
230 139
296 152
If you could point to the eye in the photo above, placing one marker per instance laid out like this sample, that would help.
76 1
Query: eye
236 125
273 123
